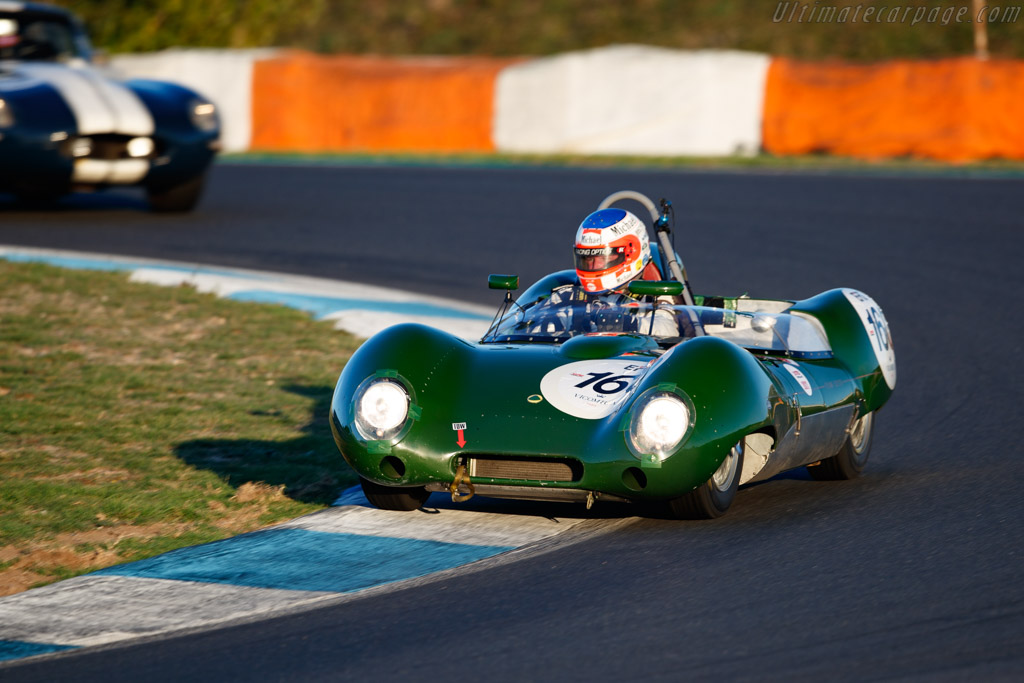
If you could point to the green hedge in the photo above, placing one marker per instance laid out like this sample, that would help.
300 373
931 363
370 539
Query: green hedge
539 27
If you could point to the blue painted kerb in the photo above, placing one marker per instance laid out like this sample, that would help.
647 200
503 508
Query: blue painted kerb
17 649
299 559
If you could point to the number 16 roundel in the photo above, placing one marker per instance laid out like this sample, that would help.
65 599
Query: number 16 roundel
591 389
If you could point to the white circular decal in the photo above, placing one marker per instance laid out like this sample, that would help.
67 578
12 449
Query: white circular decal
878 332
591 389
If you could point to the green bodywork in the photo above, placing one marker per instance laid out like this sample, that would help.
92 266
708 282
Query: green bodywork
494 389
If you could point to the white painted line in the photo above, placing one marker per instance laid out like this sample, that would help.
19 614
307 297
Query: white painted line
360 309
471 527
93 610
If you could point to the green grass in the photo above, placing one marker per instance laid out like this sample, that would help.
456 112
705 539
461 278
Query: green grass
136 419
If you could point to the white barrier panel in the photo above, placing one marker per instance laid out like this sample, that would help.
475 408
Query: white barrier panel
632 99
223 76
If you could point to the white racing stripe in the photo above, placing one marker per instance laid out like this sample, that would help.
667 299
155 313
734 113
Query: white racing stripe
99 104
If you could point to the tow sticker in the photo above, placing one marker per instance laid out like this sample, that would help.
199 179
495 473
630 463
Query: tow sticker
799 376
591 389
878 332
460 428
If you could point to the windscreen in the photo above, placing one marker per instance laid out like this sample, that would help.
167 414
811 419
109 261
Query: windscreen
26 36
559 317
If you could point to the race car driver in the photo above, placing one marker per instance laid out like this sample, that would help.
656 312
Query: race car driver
612 249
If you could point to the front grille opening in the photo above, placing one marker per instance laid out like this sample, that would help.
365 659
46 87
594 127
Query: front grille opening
529 469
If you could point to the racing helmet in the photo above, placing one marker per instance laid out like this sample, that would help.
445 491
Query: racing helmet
612 248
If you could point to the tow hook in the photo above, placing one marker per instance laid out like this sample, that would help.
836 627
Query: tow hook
461 478
590 499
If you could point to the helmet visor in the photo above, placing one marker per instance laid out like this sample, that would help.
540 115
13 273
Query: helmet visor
599 259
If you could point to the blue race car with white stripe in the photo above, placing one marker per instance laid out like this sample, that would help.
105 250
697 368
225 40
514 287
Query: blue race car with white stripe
66 126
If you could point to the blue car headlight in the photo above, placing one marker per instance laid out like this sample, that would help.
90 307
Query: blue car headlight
203 115
6 115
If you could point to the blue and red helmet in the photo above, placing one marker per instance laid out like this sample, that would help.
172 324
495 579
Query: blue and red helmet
612 248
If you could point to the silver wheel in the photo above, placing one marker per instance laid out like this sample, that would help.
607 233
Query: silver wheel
712 498
849 462
860 435
723 476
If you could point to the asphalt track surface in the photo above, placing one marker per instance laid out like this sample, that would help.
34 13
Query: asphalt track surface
912 572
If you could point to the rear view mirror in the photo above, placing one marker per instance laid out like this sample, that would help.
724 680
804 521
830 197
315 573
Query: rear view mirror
509 282
656 288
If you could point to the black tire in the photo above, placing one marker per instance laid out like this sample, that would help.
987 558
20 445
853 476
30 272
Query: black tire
404 498
177 198
38 197
713 498
849 462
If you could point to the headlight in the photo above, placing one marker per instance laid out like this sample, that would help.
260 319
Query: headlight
381 409
81 147
140 147
6 115
660 420
203 115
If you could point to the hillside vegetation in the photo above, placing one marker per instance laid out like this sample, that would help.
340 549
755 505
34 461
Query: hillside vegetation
540 27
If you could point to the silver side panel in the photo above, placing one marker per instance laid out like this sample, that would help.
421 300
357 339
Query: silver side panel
819 436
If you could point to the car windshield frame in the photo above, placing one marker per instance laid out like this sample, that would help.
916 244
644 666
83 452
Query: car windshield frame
42 37
553 319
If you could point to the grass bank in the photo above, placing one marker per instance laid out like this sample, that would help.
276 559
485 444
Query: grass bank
135 419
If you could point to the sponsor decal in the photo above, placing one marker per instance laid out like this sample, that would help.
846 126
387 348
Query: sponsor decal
877 329
799 376
591 389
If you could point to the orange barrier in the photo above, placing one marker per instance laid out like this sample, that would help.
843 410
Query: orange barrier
307 102
958 109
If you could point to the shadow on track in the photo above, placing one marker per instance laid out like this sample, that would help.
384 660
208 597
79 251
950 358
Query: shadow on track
309 467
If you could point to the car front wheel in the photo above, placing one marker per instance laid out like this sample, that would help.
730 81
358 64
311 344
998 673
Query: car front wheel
403 498
713 498
849 462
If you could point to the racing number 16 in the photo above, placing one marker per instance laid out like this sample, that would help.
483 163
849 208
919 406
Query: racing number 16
881 329
605 383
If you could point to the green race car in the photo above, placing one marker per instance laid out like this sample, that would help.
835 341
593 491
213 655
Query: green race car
650 394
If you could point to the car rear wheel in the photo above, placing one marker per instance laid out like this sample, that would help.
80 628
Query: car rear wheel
849 462
713 498
394 497
177 198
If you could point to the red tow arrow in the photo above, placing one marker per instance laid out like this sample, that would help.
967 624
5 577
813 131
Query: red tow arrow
460 427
